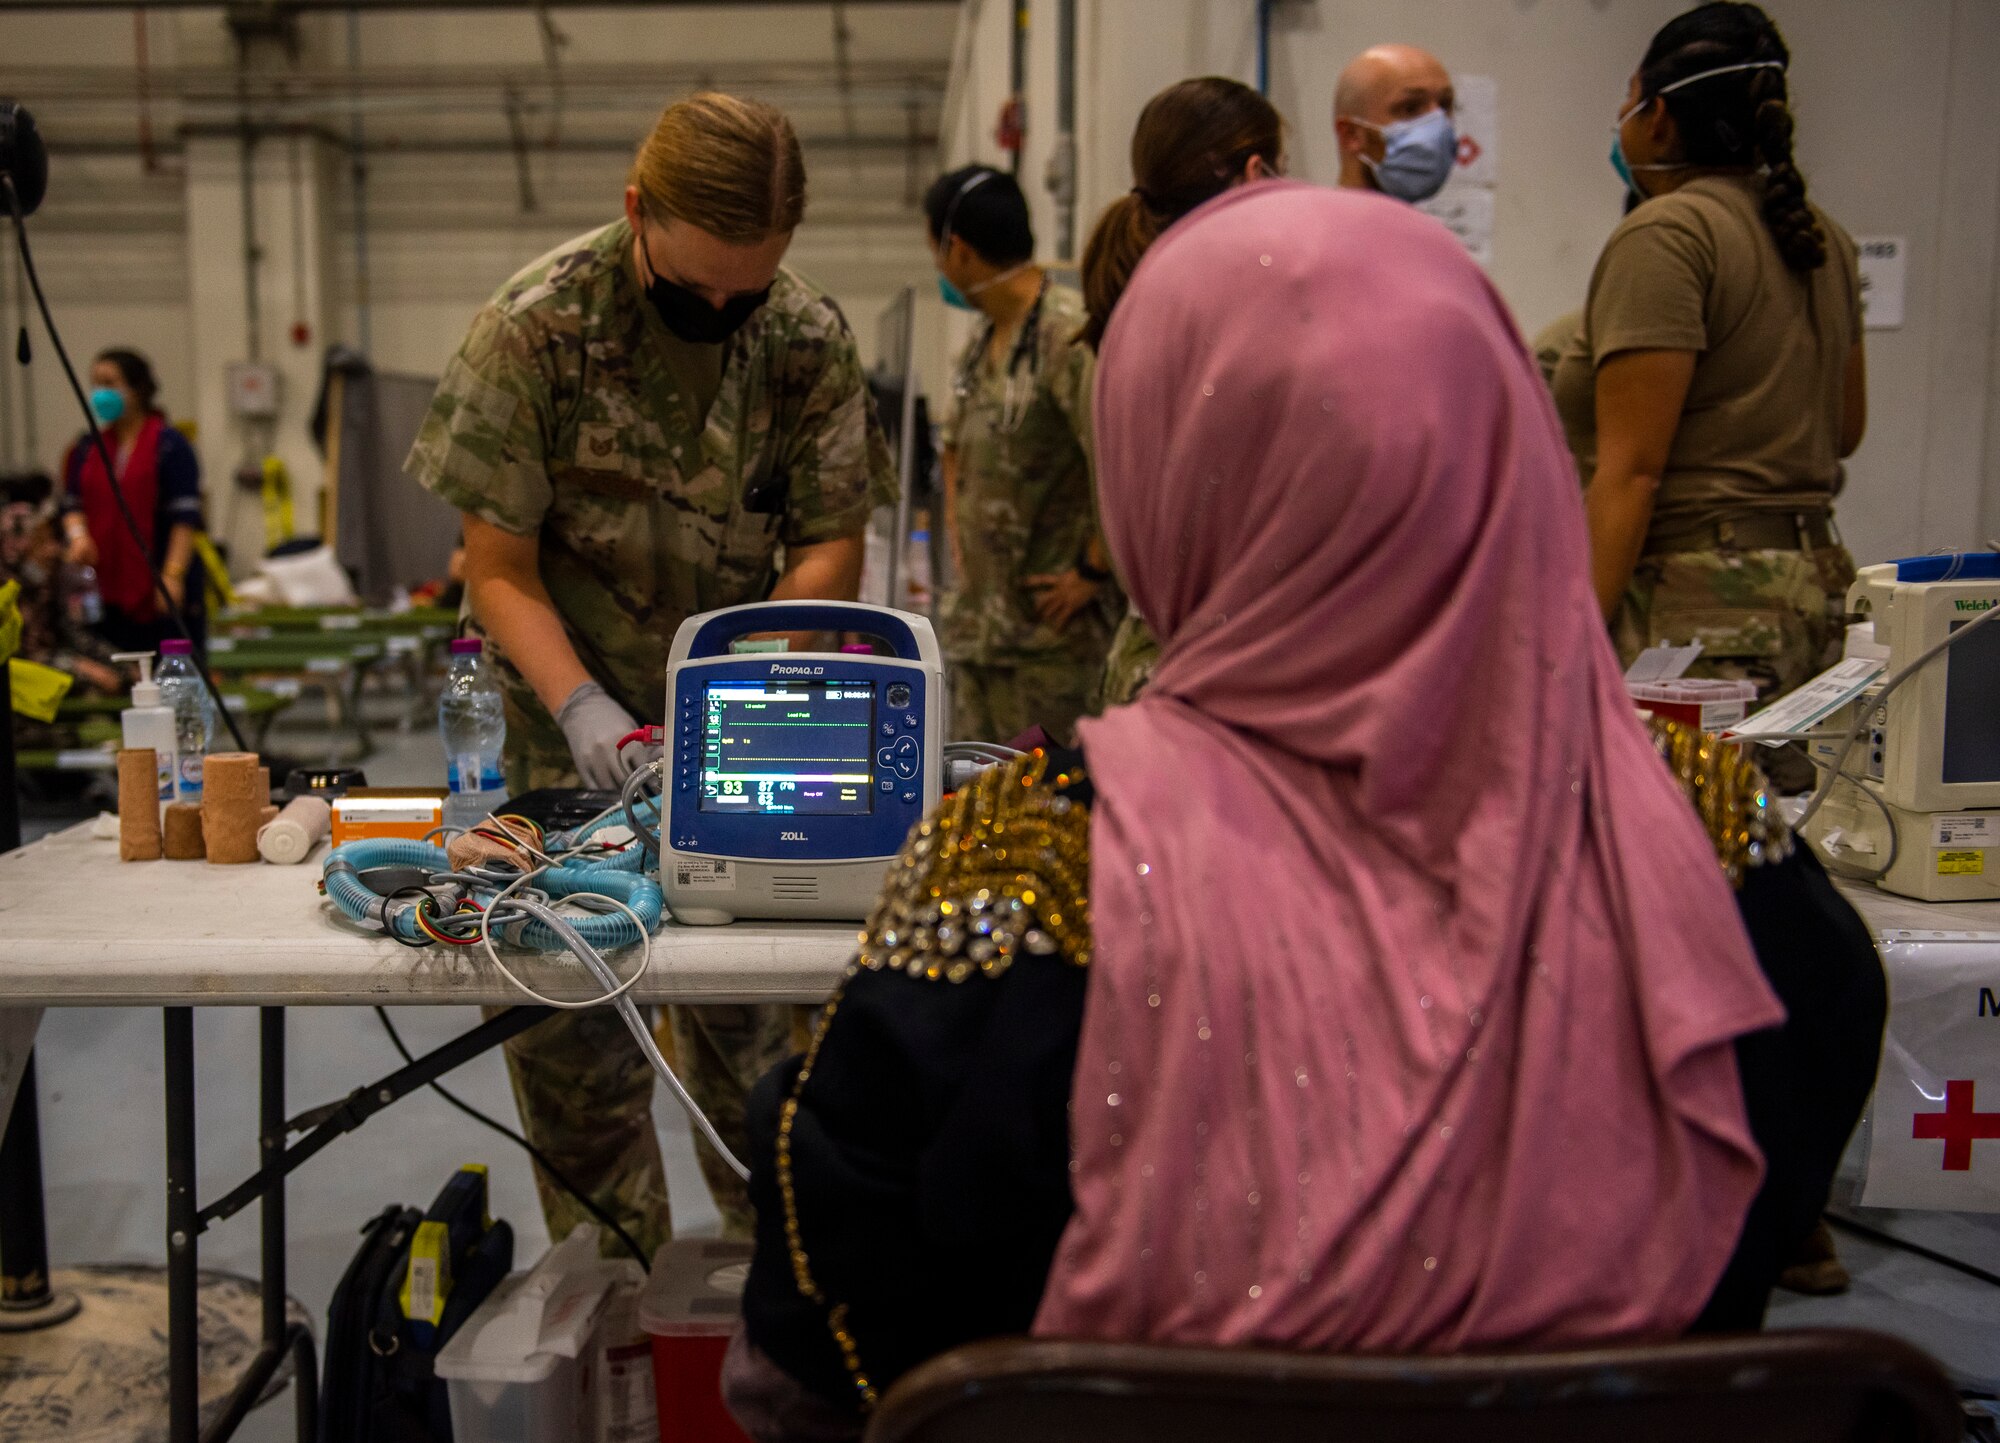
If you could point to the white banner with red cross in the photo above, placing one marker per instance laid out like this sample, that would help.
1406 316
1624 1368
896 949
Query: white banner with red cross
1934 1123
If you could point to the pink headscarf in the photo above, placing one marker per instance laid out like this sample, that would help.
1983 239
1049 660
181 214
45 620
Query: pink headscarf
1414 975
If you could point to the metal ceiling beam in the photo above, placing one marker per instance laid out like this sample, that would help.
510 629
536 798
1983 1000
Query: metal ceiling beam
120 82
468 145
296 7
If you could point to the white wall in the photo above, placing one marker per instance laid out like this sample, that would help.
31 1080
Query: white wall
1897 134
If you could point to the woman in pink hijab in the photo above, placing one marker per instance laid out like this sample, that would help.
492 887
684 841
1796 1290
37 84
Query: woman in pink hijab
1367 984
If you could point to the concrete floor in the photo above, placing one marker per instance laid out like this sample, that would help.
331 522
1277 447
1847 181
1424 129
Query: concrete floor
104 1141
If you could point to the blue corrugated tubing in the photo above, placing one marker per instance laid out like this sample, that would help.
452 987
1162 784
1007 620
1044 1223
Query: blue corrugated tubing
608 877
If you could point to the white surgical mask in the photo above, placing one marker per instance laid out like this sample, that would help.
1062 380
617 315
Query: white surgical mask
1625 167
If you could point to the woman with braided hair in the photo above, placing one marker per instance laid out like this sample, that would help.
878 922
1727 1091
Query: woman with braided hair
1719 382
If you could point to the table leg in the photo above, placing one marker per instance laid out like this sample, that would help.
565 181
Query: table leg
280 1335
183 1282
24 1234
271 1138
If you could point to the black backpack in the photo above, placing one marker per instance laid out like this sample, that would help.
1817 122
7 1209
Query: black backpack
379 1382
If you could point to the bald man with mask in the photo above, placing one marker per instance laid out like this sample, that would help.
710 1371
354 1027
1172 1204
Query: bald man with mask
1392 114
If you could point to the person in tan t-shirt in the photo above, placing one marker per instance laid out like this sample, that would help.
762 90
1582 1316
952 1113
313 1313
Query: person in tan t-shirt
1718 380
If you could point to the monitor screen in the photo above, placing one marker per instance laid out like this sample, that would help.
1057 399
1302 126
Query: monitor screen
1972 707
779 747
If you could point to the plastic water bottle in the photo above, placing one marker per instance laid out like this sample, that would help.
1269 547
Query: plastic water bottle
473 724
182 688
80 594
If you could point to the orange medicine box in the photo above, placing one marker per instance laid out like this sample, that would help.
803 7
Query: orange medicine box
412 812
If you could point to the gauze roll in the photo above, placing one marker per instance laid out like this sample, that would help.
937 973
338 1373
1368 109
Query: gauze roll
289 837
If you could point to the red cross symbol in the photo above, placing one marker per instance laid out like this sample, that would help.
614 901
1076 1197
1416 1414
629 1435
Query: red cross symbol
1957 1126
1468 150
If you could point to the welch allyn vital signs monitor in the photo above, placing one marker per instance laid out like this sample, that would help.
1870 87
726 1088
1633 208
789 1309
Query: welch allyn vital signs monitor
792 778
1920 813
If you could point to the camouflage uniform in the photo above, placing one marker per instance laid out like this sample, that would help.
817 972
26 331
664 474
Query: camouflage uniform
562 416
1021 432
1773 617
1135 651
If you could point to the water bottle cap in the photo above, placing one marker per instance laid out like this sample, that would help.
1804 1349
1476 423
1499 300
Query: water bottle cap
176 648
467 646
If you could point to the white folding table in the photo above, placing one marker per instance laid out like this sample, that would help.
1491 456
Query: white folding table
78 929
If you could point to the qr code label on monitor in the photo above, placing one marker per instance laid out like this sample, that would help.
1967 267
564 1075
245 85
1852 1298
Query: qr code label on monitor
703 874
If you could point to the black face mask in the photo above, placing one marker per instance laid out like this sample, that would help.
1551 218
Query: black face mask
690 317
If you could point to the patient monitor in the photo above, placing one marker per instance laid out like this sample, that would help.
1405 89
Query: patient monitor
793 777
1931 755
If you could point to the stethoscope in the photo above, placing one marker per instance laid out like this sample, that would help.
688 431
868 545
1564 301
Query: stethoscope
1018 391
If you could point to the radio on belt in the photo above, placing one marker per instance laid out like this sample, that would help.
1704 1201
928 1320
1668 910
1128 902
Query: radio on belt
793 777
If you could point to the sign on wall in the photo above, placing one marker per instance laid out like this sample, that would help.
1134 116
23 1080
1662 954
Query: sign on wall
1882 259
1465 204
1934 1122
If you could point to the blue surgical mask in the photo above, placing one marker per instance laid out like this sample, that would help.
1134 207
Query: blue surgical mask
962 300
107 403
1417 155
1624 171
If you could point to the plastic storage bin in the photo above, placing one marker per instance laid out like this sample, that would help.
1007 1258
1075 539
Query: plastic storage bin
692 1301
523 1367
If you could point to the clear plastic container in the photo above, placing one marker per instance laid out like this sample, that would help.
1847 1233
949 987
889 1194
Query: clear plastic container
182 689
522 1368
472 724
542 1400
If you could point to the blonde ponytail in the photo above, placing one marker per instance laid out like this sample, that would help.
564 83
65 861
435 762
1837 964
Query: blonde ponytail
728 165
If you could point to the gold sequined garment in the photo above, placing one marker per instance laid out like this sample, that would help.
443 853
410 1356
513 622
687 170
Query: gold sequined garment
1002 868
1730 795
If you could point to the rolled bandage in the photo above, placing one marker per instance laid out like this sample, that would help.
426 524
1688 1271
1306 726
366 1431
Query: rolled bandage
183 828
138 805
231 806
290 837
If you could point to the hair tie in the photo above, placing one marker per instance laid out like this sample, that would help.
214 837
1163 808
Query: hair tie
1144 199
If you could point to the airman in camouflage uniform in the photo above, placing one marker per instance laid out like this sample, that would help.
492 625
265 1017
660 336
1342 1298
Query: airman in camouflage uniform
570 413
1021 435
